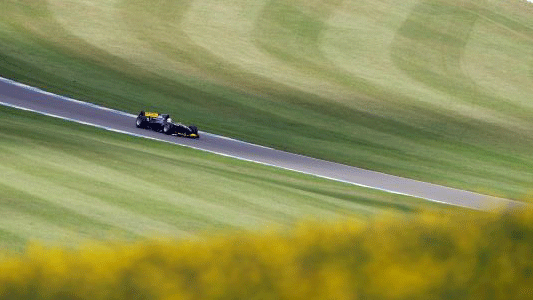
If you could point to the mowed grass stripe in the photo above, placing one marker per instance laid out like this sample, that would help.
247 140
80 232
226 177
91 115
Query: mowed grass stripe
11 241
437 59
25 217
39 208
22 228
504 76
86 205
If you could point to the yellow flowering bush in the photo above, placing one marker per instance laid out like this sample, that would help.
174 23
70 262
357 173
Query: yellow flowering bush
470 255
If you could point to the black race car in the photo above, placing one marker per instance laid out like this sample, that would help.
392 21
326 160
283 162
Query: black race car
163 123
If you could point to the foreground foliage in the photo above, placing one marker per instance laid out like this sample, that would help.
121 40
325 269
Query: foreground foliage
463 256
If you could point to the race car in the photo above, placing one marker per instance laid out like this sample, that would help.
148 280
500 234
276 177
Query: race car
163 123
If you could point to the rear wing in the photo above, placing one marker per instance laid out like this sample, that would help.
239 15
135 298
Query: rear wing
151 114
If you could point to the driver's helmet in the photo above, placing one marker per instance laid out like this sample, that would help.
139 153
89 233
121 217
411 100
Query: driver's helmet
169 119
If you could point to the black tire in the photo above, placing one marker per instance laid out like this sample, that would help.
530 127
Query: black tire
167 129
140 123
193 129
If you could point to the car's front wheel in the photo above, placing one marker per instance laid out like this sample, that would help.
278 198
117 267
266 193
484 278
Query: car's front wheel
139 123
193 129
166 129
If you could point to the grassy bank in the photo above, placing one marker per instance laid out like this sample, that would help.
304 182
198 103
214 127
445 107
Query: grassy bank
63 183
431 90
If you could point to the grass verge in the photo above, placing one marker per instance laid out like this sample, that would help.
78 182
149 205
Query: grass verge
64 183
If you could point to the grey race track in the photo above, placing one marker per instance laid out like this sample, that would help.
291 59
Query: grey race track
20 96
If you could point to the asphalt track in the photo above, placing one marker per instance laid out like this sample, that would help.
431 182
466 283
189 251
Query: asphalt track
20 96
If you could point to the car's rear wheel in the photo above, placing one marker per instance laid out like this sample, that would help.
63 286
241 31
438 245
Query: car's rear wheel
193 129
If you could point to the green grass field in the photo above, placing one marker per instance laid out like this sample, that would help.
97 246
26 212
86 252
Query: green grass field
434 90
65 183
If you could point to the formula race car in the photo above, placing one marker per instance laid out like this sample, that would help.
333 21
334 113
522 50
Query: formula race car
163 123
